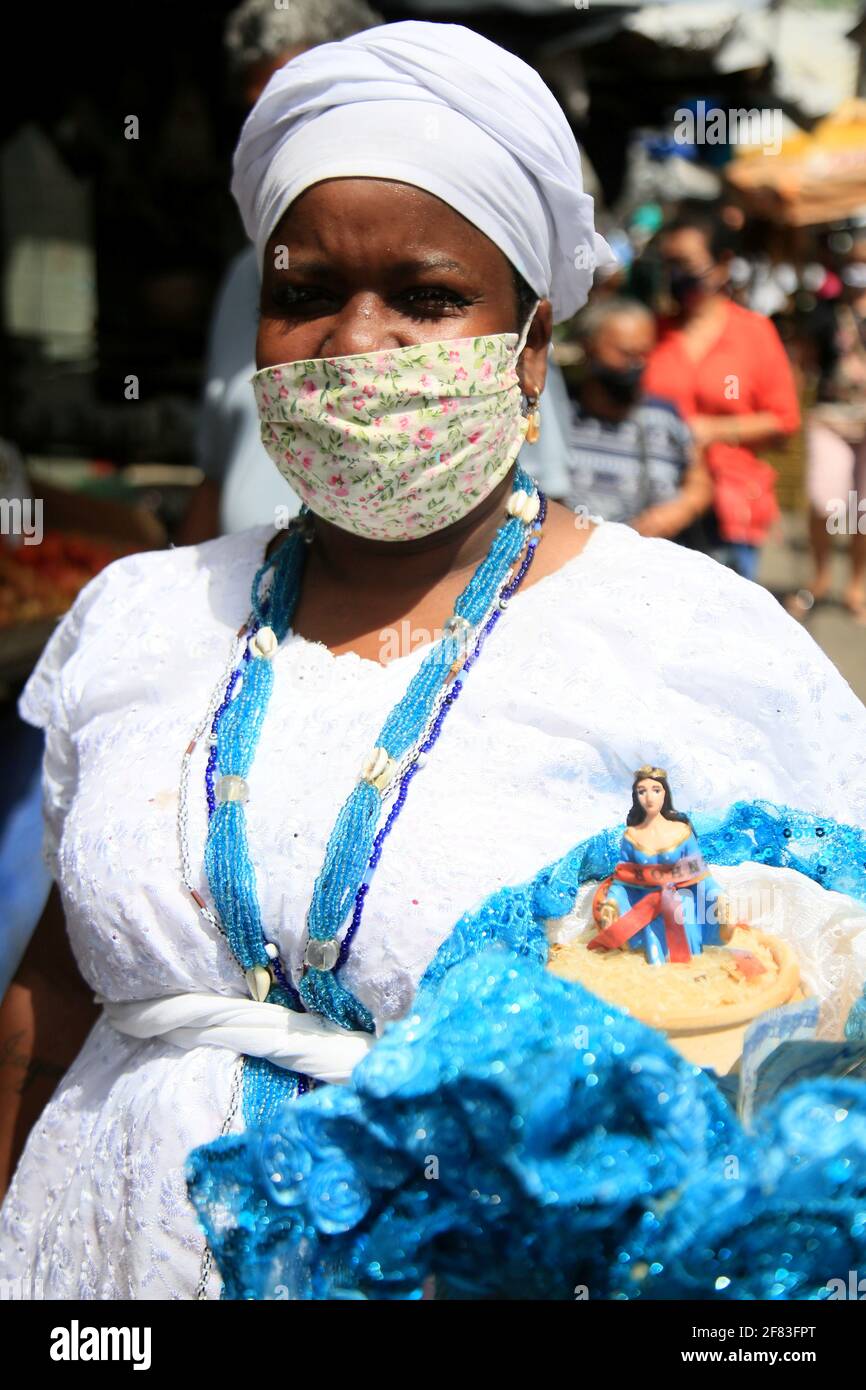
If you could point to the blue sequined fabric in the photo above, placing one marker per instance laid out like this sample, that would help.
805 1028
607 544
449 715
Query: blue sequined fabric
518 1137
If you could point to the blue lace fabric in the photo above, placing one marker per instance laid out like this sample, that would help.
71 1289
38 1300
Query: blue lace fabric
518 1137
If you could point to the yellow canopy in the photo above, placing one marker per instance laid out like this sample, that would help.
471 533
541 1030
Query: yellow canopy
818 177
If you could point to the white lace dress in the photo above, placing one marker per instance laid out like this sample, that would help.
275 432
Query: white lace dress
635 651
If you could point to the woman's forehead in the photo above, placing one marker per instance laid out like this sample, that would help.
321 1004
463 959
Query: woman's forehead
354 217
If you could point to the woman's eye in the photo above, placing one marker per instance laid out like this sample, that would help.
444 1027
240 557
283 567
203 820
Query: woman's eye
294 297
432 301
425 301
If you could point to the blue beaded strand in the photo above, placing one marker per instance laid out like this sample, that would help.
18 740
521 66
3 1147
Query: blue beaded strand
210 770
506 593
266 1087
354 847
236 726
351 843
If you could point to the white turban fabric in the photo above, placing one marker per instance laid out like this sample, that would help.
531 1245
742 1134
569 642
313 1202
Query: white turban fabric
439 107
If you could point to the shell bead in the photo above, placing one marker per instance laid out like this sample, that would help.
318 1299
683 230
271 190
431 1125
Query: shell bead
516 501
523 505
321 955
259 980
231 788
264 643
379 769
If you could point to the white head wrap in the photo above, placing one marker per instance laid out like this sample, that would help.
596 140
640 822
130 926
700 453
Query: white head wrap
439 107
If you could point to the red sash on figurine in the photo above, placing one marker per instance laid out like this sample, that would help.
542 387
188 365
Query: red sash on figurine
665 879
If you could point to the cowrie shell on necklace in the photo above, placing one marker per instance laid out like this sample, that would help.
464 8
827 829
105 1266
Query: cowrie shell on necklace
259 980
379 769
264 643
523 505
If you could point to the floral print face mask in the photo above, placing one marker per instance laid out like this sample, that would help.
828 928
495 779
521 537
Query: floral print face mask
396 444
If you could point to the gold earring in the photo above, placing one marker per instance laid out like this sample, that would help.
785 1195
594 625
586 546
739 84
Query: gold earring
533 421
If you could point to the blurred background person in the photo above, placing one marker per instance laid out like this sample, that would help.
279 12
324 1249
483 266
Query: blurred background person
836 439
726 369
241 487
630 457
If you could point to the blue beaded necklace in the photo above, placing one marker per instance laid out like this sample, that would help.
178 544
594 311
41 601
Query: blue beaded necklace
407 736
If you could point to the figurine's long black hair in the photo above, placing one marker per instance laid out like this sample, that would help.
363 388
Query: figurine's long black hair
637 814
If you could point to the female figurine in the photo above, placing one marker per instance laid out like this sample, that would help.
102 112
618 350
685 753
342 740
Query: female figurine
661 897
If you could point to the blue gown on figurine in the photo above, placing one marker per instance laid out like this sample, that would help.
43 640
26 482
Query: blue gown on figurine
697 901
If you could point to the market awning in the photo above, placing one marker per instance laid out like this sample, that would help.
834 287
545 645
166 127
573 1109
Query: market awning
814 178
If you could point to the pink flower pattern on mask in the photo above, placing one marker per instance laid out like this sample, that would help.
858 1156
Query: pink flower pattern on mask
396 444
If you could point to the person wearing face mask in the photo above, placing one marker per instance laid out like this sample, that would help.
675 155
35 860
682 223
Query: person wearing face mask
240 487
724 366
281 764
630 457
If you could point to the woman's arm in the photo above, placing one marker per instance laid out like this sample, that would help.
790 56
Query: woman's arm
763 427
695 496
44 1019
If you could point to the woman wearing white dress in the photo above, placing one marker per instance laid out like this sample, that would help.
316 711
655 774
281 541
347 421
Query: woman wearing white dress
411 190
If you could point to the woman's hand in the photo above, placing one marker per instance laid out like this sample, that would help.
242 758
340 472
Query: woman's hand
608 913
761 428
667 519
661 521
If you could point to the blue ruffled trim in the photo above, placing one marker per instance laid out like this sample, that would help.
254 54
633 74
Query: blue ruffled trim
516 1136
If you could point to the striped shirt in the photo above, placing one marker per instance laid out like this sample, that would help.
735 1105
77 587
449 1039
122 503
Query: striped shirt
619 468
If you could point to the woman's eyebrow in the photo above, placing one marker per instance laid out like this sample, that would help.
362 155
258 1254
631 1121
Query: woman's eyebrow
431 262
313 265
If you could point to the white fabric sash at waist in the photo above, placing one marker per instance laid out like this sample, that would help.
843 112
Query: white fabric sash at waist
299 1042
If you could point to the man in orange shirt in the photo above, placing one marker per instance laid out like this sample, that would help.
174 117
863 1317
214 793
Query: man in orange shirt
726 369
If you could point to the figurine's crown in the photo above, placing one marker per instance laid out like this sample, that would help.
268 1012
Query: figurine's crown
649 771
